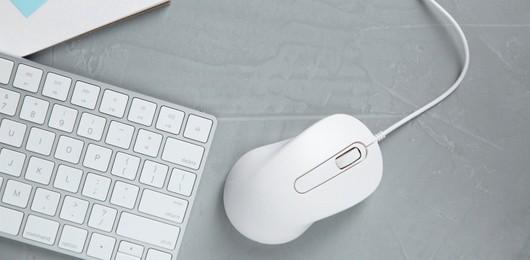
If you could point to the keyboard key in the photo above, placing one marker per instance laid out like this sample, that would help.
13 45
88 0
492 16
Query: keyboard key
40 141
34 110
125 166
45 201
11 220
181 182
74 209
119 135
170 120
16 194
73 239
142 112
148 231
131 249
97 157
63 118
123 256
198 128
154 174
27 78
6 67
147 143
12 133
124 195
11 162
113 103
68 178
91 126
101 246
183 153
85 95
69 149
102 217
163 206
153 254
56 86
39 170
96 186
105 166
8 102
41 230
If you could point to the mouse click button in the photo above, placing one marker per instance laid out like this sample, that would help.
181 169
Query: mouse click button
348 158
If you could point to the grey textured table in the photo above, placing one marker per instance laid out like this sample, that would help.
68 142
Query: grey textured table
456 182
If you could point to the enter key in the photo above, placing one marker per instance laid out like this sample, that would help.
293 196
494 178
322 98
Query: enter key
163 206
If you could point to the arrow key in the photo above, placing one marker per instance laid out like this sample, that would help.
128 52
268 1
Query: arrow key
101 246
131 249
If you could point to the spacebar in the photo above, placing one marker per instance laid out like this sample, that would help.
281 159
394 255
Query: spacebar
148 231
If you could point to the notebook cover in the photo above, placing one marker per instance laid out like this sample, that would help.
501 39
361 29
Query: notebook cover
28 26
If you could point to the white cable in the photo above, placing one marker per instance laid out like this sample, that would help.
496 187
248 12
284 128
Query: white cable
381 135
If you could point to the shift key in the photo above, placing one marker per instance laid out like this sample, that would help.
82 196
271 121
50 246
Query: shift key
148 231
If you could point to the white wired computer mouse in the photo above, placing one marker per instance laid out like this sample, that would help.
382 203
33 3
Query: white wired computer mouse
274 193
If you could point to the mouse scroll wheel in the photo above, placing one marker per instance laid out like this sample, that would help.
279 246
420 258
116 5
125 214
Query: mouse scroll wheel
348 158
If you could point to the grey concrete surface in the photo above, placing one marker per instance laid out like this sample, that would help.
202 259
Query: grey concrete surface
456 181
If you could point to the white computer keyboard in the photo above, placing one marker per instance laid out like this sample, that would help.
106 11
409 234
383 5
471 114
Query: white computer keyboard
93 170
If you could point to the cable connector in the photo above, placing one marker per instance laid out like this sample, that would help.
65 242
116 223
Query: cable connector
379 136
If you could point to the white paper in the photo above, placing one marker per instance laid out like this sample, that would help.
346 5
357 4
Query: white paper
59 20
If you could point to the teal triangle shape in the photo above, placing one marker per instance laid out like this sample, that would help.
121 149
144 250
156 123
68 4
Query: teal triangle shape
28 7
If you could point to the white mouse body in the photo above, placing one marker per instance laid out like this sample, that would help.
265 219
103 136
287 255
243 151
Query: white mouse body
275 192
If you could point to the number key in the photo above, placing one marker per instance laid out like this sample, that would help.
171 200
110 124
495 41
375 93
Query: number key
34 109
8 102
91 126
63 118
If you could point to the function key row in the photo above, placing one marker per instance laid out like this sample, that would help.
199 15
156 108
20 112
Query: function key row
86 95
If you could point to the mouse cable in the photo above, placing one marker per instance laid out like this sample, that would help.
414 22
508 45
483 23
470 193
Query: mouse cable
381 135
